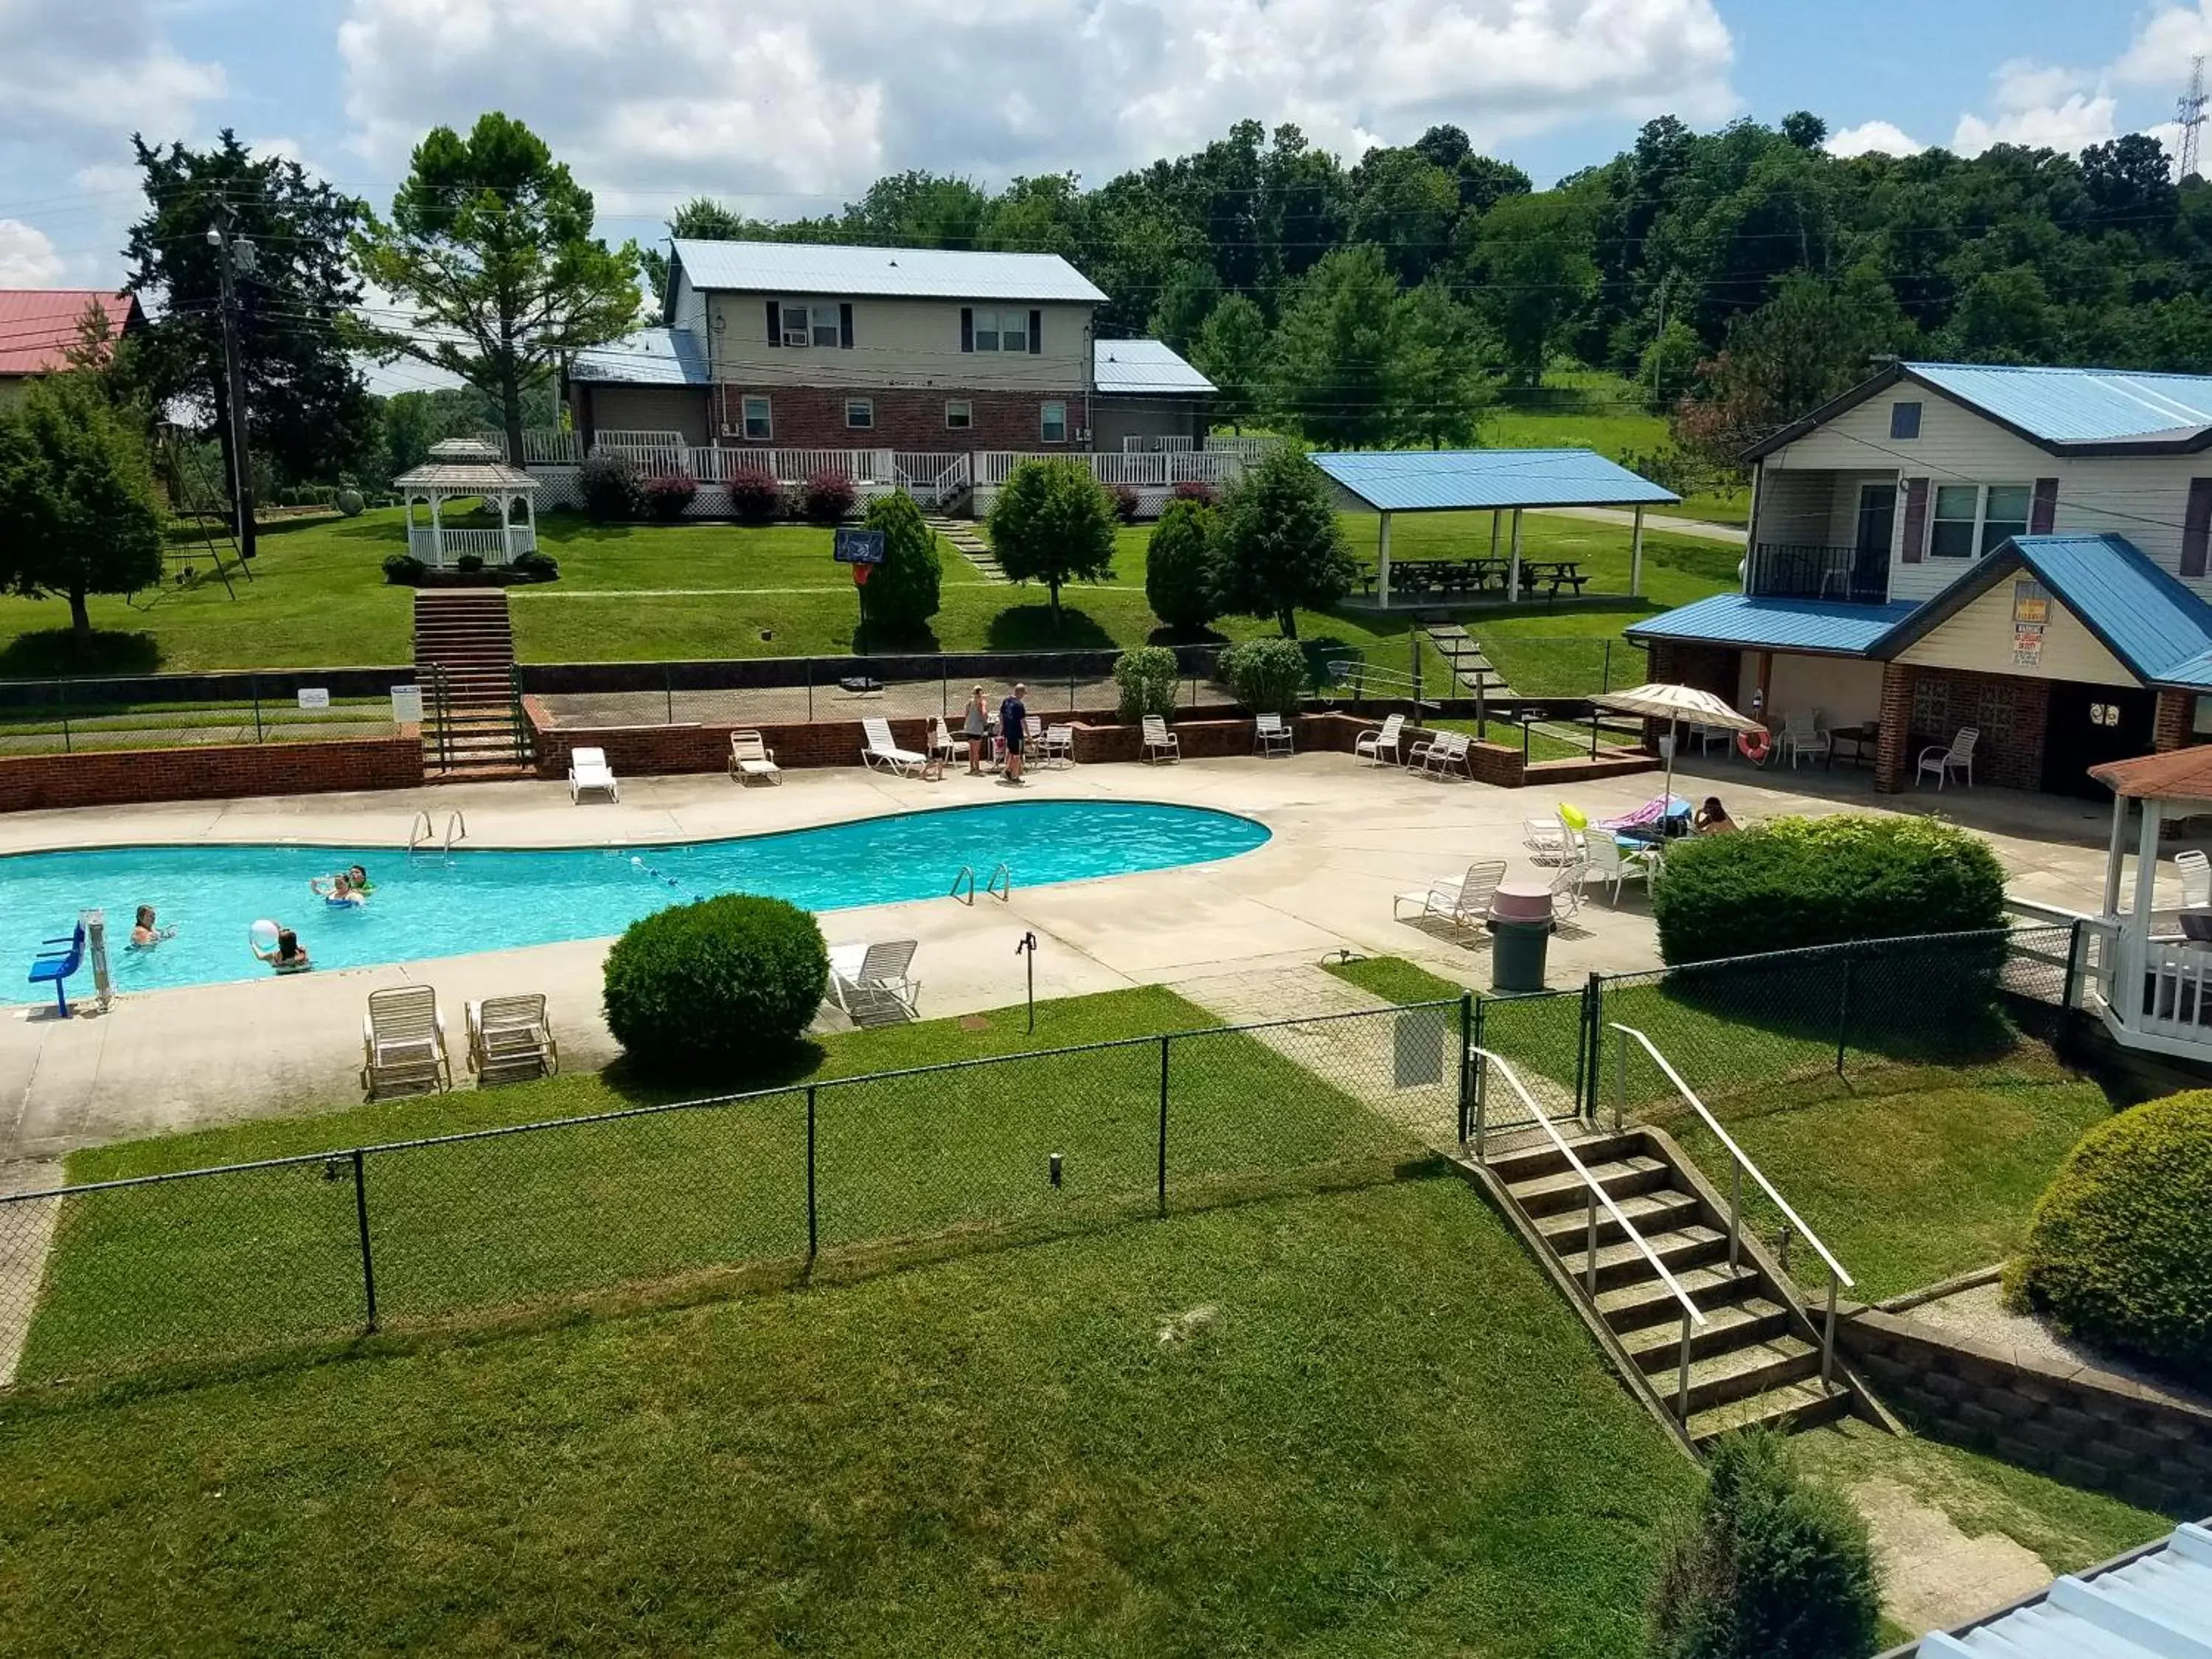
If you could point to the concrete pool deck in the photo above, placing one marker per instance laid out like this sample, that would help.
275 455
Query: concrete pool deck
1346 837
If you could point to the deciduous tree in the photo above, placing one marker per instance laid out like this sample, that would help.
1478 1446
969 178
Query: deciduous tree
1053 523
902 593
1182 584
1231 351
1279 547
76 501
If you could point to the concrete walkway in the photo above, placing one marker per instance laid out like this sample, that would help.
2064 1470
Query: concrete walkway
1704 528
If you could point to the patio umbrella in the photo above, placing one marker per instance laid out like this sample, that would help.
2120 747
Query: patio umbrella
1674 704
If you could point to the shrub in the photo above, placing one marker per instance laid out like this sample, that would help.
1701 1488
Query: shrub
612 491
756 496
722 984
667 494
536 567
349 503
2119 1253
1197 489
1146 680
1822 881
1053 522
826 497
1126 502
469 563
1180 584
1268 676
902 593
404 569
1769 1566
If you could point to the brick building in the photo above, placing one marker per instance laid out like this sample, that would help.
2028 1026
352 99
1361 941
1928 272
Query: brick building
2023 551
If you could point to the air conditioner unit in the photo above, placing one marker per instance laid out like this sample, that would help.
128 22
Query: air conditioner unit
1082 435
730 431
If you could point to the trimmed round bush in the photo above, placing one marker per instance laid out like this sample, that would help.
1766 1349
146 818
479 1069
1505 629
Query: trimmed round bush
2119 1253
755 495
667 494
827 497
535 567
404 569
1197 489
469 563
1824 881
1145 681
613 493
903 592
1179 573
1268 676
1127 502
720 985
349 503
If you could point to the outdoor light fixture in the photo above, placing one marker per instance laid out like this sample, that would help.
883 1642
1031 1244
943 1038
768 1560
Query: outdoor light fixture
1056 1169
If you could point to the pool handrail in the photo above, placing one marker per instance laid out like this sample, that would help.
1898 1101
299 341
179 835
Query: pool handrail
457 828
421 830
968 875
1005 889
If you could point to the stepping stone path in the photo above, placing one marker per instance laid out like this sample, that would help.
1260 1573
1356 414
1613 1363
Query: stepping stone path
1469 666
968 545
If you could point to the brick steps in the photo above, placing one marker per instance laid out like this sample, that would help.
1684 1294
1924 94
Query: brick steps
464 657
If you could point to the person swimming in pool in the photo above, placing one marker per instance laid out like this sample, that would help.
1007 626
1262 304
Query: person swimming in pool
359 878
338 890
145 934
287 956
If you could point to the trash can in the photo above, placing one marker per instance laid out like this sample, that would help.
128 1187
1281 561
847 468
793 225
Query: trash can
1519 930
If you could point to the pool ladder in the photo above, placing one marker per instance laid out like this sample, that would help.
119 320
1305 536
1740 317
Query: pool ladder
423 831
1001 883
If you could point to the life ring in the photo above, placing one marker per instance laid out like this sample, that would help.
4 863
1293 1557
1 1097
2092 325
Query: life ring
1754 745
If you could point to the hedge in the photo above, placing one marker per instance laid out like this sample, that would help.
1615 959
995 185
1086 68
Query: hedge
1144 680
2119 1253
1268 676
725 984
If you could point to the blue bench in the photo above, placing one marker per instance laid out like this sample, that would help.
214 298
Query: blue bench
53 967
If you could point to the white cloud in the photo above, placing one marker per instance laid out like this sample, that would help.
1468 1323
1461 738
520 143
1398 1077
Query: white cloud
652 102
79 76
1874 138
2159 53
27 257
2040 105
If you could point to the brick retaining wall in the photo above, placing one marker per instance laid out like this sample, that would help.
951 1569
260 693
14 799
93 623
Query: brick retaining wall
2087 1427
209 772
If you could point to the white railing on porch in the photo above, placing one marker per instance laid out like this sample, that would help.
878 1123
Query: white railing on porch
1147 444
492 546
2175 975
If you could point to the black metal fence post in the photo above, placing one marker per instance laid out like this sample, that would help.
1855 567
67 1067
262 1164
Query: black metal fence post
809 690
255 682
2068 993
1164 1040
813 1220
61 696
1465 1061
1843 1011
668 692
1605 669
361 1220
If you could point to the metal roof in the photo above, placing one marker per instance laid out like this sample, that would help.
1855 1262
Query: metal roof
651 357
2154 1604
1132 367
911 273
38 324
1457 480
1828 626
2144 617
2079 405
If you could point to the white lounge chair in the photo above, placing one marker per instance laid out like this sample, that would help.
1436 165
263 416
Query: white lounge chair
1802 735
873 984
1558 838
750 758
1058 745
1463 901
1710 737
589 773
403 1043
880 750
510 1038
1159 742
1567 885
1383 740
2196 878
1441 753
941 742
1958 757
1609 861
1270 736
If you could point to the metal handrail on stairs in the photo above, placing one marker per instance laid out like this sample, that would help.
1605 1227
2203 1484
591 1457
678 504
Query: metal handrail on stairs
420 831
1001 882
457 828
1739 1163
968 875
1596 1195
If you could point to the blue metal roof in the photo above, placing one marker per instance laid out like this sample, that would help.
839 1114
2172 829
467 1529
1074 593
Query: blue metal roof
1737 619
2156 1604
651 357
2080 406
1141 368
1453 480
914 273
2160 630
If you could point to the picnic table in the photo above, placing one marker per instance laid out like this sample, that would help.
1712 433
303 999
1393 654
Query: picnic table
1476 575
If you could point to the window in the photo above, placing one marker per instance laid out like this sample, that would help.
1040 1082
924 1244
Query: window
1001 330
860 414
815 325
1905 419
1951 536
795 330
959 414
2004 513
1052 422
759 428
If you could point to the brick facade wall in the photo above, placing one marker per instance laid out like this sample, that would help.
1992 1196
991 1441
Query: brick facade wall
1894 753
812 417
2083 1426
212 772
1714 668
2010 711
2173 727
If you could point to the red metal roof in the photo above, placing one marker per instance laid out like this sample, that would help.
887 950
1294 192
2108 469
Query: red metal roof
2174 775
38 324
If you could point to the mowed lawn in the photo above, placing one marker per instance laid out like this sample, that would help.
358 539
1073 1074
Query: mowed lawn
1371 1428
230 1263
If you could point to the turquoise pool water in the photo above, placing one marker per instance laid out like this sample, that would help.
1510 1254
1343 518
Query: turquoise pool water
431 905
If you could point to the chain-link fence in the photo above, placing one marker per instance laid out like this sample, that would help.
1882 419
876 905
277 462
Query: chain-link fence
76 716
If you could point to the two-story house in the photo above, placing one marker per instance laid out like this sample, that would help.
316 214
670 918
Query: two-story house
2023 551
795 346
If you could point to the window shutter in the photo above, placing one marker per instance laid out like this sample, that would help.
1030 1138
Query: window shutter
1037 331
2044 510
1915 520
845 324
2197 527
774 323
966 328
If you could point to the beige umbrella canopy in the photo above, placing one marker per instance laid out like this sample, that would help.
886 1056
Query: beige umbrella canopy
1674 704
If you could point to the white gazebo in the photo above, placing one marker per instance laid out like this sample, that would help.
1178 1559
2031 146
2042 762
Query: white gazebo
469 469
2152 978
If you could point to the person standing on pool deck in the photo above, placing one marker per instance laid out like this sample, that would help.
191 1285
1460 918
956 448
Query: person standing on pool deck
1013 726
976 728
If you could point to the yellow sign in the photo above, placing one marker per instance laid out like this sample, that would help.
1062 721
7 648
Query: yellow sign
2031 604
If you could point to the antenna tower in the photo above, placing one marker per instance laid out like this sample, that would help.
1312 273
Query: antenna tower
2191 112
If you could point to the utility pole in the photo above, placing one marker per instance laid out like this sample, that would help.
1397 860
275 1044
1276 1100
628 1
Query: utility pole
2190 113
1659 339
232 254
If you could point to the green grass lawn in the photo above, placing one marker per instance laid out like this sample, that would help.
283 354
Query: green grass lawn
1385 1435
1395 980
1591 409
184 1269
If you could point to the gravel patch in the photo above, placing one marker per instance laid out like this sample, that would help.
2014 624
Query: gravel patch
1978 1314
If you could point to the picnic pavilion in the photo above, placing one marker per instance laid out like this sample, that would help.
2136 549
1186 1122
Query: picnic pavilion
1387 482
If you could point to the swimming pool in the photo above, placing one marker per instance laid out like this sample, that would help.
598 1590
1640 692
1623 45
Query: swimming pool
433 905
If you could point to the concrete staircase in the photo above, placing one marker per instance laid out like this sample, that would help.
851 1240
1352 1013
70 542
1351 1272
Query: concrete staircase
1468 665
1757 1357
465 661
969 544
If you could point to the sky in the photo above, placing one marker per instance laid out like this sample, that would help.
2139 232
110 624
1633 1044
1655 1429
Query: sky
794 109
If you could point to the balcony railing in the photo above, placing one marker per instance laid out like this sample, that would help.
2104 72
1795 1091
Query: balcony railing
1791 570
